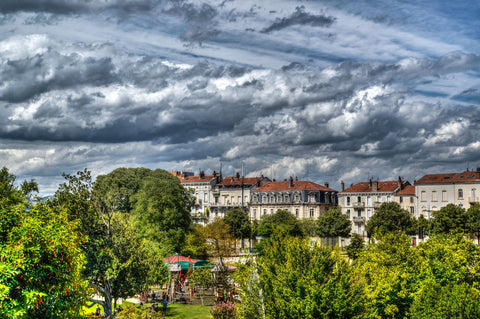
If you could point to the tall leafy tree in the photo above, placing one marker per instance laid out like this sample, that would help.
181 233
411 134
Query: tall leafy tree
356 247
41 263
239 223
449 218
162 210
282 219
196 243
12 193
390 217
119 262
472 223
334 224
298 280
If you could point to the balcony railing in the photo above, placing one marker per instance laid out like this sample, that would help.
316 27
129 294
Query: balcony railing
377 205
357 219
473 199
358 205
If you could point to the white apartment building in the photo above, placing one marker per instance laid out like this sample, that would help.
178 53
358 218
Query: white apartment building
304 199
201 186
233 192
360 201
435 191
407 199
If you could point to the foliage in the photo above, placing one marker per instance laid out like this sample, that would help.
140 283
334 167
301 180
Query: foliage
387 270
224 310
41 264
334 224
239 223
449 218
301 280
119 262
472 223
356 247
282 219
201 279
390 217
451 301
10 192
196 243
162 210
219 237
308 227
246 276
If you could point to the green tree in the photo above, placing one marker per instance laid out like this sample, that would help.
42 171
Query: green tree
41 263
219 237
282 219
196 243
162 210
390 217
388 271
299 279
449 218
119 262
334 224
472 224
9 191
356 247
239 223
308 227
202 279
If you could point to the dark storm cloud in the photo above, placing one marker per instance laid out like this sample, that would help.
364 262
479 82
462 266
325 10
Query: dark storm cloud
28 77
73 6
300 17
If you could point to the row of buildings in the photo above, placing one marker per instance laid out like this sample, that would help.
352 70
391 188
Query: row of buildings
215 195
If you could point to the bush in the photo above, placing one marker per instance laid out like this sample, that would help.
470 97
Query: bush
224 310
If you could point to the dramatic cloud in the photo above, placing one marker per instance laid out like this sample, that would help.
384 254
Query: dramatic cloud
326 93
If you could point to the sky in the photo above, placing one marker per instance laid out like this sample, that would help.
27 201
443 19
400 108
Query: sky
323 90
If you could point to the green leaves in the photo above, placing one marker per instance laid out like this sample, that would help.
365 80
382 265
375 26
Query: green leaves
390 217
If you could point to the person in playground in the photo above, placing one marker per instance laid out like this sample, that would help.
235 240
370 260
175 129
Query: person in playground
165 303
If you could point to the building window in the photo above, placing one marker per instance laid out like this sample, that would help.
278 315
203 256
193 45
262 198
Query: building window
444 196
271 211
296 212
379 199
412 210
389 199
460 193
401 199
359 199
369 213
264 212
434 196
359 213
423 196
311 213
348 201
411 199
359 229
348 213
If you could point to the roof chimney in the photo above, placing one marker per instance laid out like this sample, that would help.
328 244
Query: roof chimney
326 184
202 174
375 186
342 185
238 175
290 184
399 183
370 183
296 178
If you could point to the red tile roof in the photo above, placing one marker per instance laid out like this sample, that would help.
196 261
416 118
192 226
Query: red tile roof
230 181
297 185
366 187
408 190
464 177
177 258
196 179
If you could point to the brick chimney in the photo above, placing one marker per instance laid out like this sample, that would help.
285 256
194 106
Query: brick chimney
290 182
342 186
375 186
326 184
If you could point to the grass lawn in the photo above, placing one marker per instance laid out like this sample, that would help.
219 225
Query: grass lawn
174 310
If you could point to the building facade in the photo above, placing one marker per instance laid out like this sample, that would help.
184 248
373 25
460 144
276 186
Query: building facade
407 199
201 186
360 201
233 192
304 199
435 191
